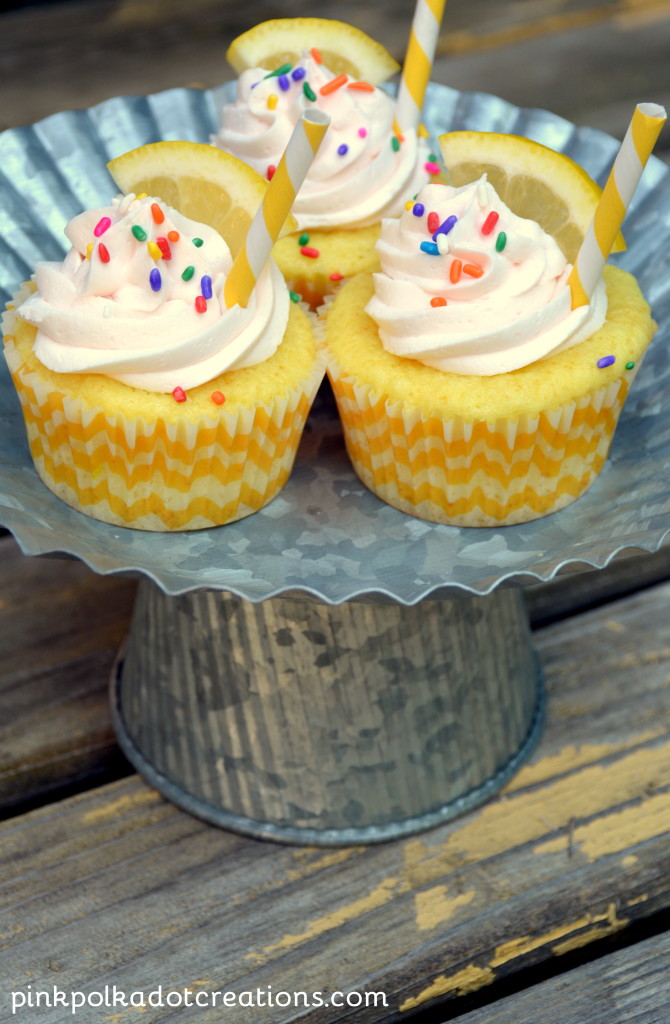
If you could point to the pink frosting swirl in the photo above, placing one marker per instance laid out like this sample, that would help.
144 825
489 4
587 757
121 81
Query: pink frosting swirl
469 287
360 173
139 297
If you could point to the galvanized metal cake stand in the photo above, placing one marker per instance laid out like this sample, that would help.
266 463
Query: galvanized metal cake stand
310 723
329 670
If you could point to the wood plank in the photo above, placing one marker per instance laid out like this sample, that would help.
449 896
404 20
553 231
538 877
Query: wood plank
574 850
631 984
60 629
579 58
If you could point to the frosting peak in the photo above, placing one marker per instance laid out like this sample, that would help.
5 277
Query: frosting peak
469 287
139 297
362 171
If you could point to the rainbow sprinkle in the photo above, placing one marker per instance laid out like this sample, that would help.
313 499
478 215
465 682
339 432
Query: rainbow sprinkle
490 222
155 280
605 361
179 395
103 224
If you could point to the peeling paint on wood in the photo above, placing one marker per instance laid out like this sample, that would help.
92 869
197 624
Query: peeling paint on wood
435 906
469 979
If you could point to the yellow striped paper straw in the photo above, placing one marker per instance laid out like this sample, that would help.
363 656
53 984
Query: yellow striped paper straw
277 202
626 172
418 62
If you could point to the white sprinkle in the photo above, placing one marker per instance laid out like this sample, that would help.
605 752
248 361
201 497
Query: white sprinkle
442 242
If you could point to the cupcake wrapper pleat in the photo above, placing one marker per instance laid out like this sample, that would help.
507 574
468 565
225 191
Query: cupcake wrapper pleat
476 473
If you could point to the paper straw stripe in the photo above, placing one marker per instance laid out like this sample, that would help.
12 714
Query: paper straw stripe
275 208
644 129
611 210
418 62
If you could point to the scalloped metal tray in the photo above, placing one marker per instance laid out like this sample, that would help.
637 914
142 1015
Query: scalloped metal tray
325 535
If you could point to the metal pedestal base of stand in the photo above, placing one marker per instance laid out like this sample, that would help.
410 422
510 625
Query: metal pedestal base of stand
305 723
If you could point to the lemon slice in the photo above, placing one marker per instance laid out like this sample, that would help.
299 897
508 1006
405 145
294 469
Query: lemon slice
532 180
343 48
200 181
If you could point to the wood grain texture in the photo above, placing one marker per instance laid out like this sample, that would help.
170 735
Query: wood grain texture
631 984
60 629
115 885
61 56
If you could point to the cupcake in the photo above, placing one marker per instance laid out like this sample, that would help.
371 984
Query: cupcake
147 402
365 169
470 392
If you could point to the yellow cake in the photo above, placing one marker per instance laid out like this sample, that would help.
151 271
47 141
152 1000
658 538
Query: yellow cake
156 438
470 446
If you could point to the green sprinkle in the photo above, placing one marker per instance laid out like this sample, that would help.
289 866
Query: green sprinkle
139 233
304 238
395 143
501 241
283 70
629 366
432 157
188 274
294 297
308 91
197 242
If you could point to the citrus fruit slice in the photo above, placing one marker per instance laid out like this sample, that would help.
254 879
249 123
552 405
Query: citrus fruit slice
532 180
343 48
200 181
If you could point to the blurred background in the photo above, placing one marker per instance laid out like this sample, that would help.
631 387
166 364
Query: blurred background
587 60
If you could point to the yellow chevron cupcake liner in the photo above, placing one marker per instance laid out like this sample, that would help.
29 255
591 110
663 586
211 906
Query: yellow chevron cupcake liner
425 448
476 474
152 474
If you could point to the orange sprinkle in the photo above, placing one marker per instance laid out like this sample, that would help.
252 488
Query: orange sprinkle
218 398
316 55
173 236
455 271
157 213
362 86
473 269
438 301
333 85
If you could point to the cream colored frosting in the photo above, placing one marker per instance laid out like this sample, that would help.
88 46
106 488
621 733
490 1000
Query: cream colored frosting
118 308
515 311
359 175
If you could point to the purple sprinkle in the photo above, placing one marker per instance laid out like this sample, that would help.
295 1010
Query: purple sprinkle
155 279
445 227
284 83
605 361
418 209
297 74
206 286
343 149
